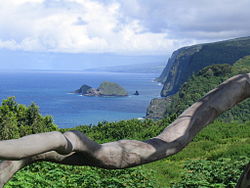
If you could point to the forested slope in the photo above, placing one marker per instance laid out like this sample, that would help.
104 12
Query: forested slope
205 80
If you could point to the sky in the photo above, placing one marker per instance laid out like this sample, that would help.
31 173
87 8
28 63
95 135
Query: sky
67 34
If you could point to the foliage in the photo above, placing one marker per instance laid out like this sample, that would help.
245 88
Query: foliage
206 173
72 176
214 143
125 129
17 120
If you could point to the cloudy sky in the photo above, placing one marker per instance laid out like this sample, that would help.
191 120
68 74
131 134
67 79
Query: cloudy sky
120 27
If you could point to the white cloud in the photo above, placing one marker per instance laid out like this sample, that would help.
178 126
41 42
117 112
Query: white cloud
193 19
131 26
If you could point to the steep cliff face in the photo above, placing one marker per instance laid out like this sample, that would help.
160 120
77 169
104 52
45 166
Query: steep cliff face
189 60
158 108
162 78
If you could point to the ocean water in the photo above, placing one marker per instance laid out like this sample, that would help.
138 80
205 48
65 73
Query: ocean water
51 91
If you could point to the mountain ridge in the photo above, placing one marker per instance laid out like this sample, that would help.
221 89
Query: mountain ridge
189 60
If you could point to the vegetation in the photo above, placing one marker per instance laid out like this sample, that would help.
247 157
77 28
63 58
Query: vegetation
207 79
17 120
215 158
223 172
52 175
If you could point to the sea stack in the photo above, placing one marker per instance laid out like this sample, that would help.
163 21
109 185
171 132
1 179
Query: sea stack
136 93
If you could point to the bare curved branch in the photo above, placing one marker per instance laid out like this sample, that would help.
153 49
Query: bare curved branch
74 148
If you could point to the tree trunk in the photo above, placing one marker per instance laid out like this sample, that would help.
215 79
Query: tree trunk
244 181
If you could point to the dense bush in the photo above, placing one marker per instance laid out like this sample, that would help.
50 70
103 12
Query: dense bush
125 129
52 175
206 173
17 120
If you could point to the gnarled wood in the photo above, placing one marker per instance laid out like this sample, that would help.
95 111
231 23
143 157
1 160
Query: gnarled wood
74 148
244 181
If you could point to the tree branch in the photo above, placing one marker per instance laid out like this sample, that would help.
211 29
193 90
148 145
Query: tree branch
75 148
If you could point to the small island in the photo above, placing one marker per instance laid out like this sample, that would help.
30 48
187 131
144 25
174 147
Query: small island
105 89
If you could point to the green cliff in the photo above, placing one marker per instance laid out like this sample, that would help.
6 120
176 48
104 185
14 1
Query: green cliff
197 86
189 60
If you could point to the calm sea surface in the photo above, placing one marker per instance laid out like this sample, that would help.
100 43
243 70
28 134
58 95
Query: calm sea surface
51 91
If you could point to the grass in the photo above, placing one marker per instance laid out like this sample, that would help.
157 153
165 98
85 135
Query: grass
218 140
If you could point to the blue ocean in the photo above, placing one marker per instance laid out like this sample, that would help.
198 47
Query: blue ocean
51 90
